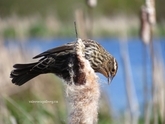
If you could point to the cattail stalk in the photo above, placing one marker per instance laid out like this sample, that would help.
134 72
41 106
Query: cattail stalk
133 106
148 20
80 20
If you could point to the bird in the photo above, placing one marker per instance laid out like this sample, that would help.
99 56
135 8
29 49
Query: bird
57 61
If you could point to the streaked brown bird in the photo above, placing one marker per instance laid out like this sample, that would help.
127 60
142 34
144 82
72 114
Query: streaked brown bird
57 61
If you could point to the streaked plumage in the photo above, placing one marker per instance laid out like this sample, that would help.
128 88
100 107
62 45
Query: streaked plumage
56 61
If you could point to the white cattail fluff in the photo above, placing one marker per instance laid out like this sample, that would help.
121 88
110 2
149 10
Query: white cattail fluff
83 99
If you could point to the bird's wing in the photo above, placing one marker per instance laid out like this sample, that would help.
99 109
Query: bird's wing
25 72
65 47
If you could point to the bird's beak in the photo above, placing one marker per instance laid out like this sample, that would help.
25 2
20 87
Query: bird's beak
110 78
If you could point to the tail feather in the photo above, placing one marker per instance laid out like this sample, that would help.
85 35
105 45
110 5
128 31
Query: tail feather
21 66
22 73
21 79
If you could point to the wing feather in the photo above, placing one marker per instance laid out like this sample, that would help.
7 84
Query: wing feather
65 47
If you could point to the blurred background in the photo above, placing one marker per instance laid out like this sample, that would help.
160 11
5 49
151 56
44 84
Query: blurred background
131 30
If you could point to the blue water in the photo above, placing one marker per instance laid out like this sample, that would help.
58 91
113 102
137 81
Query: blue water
116 90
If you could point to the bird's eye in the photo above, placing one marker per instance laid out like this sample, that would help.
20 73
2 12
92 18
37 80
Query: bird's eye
113 70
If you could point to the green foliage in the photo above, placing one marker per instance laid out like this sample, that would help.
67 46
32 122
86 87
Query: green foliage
9 32
64 9
106 33
38 30
160 9
161 30
66 31
134 32
104 118
109 7
23 112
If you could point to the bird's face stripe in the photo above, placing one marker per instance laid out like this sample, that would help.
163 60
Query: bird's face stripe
115 65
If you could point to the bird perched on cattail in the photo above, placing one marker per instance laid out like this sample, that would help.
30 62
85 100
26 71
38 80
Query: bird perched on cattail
59 60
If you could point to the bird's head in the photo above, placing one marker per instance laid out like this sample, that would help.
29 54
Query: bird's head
109 69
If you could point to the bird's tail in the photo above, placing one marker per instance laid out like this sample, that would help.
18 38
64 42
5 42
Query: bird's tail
23 73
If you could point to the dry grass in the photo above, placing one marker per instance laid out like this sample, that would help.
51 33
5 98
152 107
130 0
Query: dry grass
14 104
